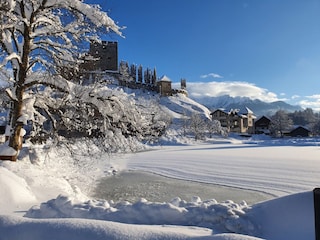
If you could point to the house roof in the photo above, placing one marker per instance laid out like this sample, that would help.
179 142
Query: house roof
219 110
249 110
300 131
234 112
263 119
300 127
164 78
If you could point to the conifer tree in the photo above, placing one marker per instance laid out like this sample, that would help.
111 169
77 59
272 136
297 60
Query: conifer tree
140 74
154 77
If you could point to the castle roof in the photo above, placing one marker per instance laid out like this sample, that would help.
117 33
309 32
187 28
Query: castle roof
164 78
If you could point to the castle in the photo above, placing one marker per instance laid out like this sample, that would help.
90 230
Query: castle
102 59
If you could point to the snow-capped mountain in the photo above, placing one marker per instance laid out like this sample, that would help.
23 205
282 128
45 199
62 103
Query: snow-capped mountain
257 106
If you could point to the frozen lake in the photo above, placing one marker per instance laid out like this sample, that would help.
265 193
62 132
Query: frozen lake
277 168
223 171
133 185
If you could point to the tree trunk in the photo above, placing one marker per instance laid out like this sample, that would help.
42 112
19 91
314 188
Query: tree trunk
15 140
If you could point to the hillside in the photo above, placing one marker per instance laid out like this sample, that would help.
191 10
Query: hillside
180 105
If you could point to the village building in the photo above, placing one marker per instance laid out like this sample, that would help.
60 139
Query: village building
262 125
300 131
234 121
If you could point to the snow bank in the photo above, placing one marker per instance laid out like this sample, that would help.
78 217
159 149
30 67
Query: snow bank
73 216
14 191
289 217
81 229
223 217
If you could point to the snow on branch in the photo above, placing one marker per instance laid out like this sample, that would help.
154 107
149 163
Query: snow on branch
93 13
54 81
10 58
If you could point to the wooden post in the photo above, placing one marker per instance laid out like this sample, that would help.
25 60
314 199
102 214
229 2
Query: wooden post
316 200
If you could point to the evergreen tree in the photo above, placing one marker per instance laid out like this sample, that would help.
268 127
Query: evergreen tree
124 72
140 74
147 78
133 72
154 77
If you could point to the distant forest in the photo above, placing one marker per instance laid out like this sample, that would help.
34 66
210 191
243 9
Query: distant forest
306 118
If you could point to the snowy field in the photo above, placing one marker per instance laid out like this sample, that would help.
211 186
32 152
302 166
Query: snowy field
59 191
277 167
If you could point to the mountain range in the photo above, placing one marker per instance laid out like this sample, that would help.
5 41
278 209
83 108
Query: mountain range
259 107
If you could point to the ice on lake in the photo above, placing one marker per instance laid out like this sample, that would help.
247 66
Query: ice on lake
134 185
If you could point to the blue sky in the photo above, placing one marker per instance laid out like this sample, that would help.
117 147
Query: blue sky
268 48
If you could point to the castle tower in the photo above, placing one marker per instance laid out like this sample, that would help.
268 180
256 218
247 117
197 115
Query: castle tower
105 56
164 86
183 84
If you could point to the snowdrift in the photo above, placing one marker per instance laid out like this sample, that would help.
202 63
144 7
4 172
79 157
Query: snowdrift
73 215
14 192
289 217
12 228
222 217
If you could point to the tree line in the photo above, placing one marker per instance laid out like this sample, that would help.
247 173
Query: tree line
283 121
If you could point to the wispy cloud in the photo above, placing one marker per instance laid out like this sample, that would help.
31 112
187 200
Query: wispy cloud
233 89
295 97
312 101
212 75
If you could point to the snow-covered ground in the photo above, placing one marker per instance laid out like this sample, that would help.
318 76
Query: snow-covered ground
49 192
59 186
275 167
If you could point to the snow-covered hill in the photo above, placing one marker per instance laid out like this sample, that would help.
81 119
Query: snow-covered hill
178 106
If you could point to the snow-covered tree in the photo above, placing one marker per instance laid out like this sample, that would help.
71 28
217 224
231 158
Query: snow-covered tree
280 122
105 115
133 72
316 128
124 71
214 127
43 35
197 126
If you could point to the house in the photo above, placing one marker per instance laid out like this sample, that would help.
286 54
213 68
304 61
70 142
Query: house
235 121
300 132
164 86
262 125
